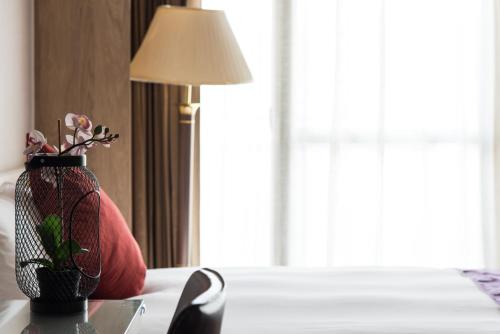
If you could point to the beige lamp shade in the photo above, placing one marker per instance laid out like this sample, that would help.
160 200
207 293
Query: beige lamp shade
189 46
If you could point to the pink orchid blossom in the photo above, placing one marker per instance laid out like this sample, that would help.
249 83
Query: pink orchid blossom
35 141
80 138
78 122
78 150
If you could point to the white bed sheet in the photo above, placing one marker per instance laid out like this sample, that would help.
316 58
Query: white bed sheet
286 300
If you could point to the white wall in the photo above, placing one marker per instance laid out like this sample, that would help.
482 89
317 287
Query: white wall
16 79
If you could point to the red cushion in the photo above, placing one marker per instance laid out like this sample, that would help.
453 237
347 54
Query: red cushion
122 267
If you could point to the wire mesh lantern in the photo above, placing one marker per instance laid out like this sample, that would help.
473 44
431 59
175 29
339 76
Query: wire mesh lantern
58 261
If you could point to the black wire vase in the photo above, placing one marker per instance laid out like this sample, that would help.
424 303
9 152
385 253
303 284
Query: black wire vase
58 260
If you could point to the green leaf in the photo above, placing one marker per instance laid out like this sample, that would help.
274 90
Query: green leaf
43 262
67 248
98 129
50 231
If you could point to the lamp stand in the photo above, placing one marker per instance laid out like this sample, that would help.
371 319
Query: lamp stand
187 133
187 109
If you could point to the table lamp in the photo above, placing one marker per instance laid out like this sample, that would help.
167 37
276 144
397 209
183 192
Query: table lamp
189 47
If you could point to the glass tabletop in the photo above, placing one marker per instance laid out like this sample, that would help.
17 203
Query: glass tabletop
102 317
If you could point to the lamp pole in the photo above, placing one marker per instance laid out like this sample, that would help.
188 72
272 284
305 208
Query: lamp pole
187 137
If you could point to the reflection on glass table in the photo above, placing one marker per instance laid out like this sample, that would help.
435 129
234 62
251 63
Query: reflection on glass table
102 317
68 324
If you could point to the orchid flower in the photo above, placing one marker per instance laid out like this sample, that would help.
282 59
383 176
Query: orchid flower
78 150
77 143
80 142
34 142
77 122
81 139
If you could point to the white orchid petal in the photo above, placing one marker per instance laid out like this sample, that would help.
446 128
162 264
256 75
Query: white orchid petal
88 126
84 136
36 137
80 150
69 139
81 122
68 120
65 146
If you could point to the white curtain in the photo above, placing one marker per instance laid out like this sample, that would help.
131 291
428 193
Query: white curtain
236 150
366 138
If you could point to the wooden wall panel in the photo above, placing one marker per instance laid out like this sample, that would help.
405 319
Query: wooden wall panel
82 54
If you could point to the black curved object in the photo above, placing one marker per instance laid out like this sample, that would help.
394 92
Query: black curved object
201 307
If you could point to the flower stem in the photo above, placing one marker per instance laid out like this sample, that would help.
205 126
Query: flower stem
86 142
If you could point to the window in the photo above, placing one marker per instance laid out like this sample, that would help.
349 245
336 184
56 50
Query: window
236 148
364 140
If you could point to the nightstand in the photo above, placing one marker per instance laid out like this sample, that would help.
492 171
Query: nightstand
103 316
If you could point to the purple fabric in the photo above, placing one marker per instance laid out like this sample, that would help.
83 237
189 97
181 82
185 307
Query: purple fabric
488 281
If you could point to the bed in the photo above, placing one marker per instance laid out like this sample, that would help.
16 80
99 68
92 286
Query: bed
343 300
